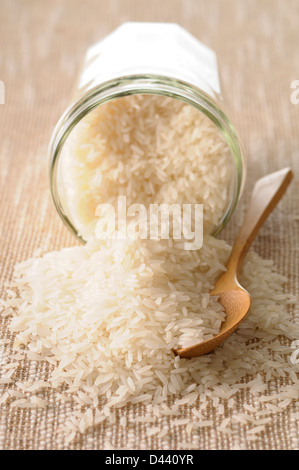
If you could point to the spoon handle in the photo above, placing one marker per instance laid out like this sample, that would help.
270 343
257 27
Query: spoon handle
266 194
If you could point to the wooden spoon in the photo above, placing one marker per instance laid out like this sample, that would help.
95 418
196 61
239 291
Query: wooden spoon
236 301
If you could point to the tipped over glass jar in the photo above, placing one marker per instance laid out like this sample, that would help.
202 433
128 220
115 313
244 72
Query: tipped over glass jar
117 138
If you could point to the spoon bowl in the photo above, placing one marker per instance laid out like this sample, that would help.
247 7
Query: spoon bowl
236 303
231 295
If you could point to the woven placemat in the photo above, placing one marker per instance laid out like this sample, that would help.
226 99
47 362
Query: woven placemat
42 46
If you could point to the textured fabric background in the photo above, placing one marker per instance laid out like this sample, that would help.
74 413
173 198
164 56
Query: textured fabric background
41 47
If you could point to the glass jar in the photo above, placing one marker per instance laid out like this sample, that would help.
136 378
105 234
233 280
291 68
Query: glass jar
147 58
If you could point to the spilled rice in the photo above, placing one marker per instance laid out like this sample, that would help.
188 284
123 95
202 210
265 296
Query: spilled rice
100 320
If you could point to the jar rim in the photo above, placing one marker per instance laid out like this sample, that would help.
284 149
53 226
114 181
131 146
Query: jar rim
147 85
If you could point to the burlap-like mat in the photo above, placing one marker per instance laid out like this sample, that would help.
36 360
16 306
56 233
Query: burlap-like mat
42 45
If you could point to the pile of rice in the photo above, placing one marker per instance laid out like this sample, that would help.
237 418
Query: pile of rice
105 316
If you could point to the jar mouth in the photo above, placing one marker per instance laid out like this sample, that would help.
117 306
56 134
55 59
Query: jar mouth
146 85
